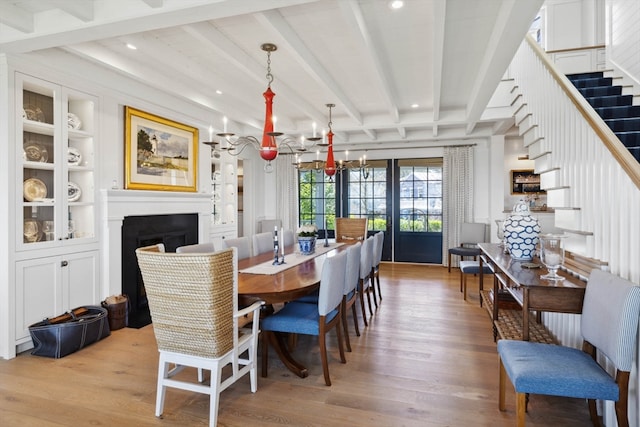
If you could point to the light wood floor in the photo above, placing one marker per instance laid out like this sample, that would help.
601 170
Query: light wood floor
427 359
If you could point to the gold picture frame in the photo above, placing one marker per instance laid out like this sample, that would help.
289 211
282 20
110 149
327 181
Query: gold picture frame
160 154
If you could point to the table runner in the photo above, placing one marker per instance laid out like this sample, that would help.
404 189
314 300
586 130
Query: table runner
291 260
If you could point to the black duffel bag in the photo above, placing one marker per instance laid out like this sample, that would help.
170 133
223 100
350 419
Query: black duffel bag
68 333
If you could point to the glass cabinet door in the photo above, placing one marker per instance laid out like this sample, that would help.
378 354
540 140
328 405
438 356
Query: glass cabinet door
57 158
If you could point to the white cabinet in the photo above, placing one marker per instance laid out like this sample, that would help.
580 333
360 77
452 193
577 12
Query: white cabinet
56 249
224 188
49 286
55 126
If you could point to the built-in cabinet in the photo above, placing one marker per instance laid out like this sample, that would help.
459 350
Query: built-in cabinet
224 189
56 242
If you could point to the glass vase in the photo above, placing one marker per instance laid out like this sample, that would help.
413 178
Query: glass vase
552 255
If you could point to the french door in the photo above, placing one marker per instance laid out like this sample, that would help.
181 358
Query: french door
403 198
417 211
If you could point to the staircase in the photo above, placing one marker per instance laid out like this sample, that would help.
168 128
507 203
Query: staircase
614 105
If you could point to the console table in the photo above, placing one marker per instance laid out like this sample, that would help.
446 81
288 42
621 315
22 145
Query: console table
530 291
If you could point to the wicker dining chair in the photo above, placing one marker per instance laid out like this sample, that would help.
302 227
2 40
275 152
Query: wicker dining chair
349 229
194 309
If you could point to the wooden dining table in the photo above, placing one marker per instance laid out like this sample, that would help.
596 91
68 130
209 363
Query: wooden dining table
282 287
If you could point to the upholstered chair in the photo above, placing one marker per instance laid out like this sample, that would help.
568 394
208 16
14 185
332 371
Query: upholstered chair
471 233
472 267
609 327
364 285
352 276
377 259
263 242
312 319
196 248
243 244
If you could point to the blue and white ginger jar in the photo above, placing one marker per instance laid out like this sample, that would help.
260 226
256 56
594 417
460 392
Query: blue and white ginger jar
521 232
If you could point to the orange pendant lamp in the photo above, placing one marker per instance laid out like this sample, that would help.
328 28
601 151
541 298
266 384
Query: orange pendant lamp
269 148
330 164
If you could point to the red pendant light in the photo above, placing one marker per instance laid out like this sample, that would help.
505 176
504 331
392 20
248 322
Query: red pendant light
268 148
330 164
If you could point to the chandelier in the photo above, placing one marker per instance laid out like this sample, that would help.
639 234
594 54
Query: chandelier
268 147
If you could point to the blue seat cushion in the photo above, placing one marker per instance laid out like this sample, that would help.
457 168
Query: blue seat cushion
473 267
312 298
297 318
465 251
555 370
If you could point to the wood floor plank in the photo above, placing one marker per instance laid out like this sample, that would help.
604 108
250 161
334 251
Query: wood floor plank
427 359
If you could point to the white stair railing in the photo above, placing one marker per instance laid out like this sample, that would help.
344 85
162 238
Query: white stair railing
591 180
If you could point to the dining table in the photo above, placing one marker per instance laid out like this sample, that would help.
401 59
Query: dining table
299 276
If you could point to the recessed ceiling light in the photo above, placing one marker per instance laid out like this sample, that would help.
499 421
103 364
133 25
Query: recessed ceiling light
415 105
396 4
219 92
132 47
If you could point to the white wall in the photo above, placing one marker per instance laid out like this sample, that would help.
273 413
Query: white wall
623 33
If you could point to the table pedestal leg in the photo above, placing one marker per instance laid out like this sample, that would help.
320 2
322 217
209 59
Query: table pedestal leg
279 343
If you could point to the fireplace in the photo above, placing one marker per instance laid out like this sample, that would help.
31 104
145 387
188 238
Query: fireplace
138 231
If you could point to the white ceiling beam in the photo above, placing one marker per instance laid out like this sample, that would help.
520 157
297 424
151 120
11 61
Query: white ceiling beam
274 20
154 3
512 23
15 17
402 131
83 10
236 57
439 17
370 133
151 76
142 19
353 13
174 62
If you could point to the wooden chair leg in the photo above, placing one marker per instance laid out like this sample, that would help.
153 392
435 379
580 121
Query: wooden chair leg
323 355
368 297
461 278
593 413
361 298
464 287
372 288
622 378
501 385
449 262
355 318
343 359
521 405
343 315
378 281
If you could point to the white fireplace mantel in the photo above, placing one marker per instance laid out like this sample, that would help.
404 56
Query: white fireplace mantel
118 204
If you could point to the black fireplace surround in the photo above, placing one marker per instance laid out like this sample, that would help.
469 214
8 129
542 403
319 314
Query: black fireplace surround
139 231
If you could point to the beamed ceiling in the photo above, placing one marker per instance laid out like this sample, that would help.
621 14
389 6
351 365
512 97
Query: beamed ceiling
374 62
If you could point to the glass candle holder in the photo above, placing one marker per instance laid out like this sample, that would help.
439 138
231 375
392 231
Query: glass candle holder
552 255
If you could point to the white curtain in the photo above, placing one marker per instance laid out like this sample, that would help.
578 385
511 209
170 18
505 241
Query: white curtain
287 192
457 171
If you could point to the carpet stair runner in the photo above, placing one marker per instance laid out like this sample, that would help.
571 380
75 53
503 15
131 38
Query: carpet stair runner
616 109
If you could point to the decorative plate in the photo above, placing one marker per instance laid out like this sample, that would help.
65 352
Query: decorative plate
31 231
74 157
73 121
34 152
33 189
34 113
74 192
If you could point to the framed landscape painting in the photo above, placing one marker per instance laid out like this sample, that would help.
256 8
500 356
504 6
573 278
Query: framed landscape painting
160 154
